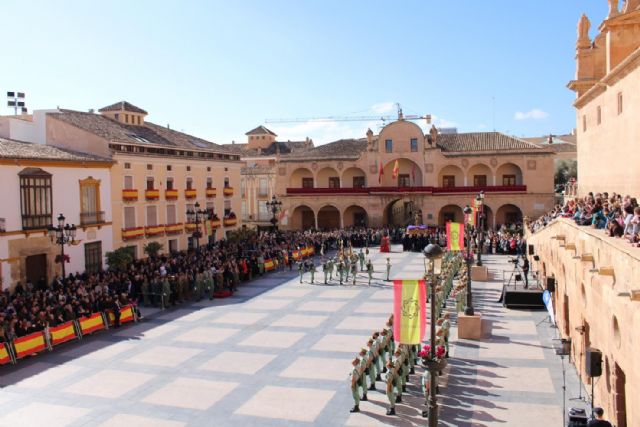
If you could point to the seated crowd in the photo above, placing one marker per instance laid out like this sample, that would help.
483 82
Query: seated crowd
165 280
617 215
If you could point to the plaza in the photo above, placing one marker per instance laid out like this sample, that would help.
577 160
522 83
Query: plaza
278 353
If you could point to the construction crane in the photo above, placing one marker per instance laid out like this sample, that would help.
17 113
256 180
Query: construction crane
383 119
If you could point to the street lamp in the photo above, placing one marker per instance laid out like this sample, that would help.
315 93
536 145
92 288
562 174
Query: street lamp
468 310
63 234
479 202
274 205
197 216
434 254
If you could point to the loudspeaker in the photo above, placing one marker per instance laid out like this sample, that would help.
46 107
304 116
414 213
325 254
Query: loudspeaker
531 251
518 278
551 284
593 362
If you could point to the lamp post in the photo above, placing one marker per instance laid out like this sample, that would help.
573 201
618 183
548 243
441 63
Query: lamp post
434 254
62 234
197 216
274 205
480 225
468 310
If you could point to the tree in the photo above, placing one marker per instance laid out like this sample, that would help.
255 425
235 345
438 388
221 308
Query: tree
120 258
152 249
565 170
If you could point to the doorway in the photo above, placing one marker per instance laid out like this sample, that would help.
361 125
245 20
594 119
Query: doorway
36 266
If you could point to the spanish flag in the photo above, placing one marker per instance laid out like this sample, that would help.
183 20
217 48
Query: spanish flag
268 264
396 170
409 311
455 236
380 173
471 218
4 354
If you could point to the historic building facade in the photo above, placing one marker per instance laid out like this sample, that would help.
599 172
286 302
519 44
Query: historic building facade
607 86
39 183
389 178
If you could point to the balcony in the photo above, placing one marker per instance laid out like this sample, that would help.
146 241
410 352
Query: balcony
171 194
228 191
190 193
174 228
230 220
210 192
91 218
130 195
364 191
154 230
216 223
189 227
151 194
132 233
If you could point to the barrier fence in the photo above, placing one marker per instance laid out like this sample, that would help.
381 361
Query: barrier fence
11 352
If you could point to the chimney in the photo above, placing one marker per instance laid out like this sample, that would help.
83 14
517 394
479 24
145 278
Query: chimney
550 140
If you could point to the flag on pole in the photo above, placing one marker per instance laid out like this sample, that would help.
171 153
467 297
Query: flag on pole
396 170
471 218
409 311
208 228
380 173
413 174
455 236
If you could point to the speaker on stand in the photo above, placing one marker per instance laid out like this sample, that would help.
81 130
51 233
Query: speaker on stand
593 365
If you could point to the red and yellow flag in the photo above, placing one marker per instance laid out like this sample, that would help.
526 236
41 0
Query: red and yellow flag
62 333
4 354
269 265
409 311
455 236
471 218
380 173
29 344
396 170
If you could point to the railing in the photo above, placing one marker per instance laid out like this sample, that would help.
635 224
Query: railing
171 194
91 218
35 222
228 191
190 193
174 228
424 190
230 222
132 233
154 230
130 195
152 194
210 192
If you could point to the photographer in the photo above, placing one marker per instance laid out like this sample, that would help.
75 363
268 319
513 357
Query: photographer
525 271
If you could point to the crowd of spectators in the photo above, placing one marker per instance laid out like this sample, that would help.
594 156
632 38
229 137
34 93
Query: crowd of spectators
164 280
617 215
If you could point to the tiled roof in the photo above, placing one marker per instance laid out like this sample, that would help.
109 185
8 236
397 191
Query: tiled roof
483 141
147 133
342 149
123 106
10 149
559 143
286 147
260 130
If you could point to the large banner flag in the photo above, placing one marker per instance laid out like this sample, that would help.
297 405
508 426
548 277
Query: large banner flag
409 311
455 236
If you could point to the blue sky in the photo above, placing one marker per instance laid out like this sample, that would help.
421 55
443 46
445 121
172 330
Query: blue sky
217 69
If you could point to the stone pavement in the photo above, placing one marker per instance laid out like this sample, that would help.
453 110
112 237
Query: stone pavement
278 353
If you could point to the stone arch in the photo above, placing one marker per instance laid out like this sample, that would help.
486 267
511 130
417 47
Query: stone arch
323 176
399 212
450 213
349 174
328 217
303 218
489 217
508 214
451 170
409 173
355 216
506 172
478 173
297 175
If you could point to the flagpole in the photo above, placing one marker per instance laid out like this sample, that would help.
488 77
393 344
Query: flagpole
434 254
468 310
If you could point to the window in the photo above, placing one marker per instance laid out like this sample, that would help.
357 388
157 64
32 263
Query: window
584 123
138 117
599 112
263 189
263 210
171 214
169 183
508 180
117 116
129 217
90 201
208 168
168 168
93 257
127 165
448 181
209 182
226 183
152 217
227 207
358 182
307 182
334 182
414 145
188 168
128 182
173 245
243 187
126 118
619 102
150 183
388 145
149 167
479 180
189 184
35 198
403 180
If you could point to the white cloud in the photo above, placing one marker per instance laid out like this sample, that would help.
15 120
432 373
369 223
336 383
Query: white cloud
441 122
535 114
322 131
383 107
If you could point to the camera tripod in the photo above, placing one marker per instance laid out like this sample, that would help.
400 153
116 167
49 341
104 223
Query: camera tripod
515 274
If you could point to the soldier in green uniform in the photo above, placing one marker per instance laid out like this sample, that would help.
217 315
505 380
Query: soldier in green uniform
312 270
363 372
383 345
390 381
325 270
371 365
377 351
398 362
446 326
361 259
166 292
355 384
388 268
340 267
347 267
370 270
330 263
300 270
354 271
